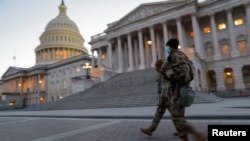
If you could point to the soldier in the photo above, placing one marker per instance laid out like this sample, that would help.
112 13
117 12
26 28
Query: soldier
175 74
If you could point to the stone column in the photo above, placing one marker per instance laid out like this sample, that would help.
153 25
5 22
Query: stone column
125 56
110 54
93 59
52 54
48 54
142 58
39 88
99 57
153 46
197 37
158 47
234 50
136 54
165 33
247 8
120 64
216 46
130 53
180 32
147 53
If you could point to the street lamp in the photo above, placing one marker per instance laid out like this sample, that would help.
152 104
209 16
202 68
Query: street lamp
87 67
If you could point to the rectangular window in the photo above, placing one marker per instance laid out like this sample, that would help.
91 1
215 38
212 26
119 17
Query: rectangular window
238 22
222 26
206 29
209 51
242 46
191 34
225 50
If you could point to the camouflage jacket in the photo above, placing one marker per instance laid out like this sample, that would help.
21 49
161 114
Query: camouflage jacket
177 71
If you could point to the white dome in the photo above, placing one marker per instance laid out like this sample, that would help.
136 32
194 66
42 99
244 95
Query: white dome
60 40
62 21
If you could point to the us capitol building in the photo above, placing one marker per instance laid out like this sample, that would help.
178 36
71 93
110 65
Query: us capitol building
215 34
60 61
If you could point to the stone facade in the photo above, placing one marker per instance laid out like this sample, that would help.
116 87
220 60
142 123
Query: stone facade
1 89
215 34
46 83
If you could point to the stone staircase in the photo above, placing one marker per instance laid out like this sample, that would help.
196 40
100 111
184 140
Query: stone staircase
131 89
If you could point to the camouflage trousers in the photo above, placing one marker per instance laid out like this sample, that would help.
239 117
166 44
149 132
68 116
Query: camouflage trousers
177 116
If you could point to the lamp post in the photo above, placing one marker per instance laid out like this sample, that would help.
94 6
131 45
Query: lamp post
87 67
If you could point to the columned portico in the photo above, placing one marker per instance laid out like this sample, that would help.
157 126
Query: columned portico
219 34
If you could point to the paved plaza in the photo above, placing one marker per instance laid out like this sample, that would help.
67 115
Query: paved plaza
72 129
115 124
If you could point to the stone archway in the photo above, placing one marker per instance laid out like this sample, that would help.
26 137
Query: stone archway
229 79
212 83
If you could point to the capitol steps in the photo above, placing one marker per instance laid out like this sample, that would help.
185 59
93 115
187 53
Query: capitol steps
132 89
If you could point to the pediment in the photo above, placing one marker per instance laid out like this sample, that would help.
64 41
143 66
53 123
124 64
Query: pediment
146 10
12 70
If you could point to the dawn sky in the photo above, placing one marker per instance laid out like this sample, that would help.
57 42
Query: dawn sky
22 22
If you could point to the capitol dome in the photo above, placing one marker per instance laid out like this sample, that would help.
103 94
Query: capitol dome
60 40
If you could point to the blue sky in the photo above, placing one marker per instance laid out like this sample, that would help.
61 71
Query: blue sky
23 21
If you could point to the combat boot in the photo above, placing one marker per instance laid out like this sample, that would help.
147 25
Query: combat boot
199 137
147 131
176 134
184 138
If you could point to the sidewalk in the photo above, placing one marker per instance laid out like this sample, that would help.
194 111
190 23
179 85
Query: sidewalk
229 108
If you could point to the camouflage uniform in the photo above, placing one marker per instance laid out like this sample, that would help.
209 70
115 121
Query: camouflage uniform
170 95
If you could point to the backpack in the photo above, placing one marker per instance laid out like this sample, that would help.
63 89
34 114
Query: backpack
191 70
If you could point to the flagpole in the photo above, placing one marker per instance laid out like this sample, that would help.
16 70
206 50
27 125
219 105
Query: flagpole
14 58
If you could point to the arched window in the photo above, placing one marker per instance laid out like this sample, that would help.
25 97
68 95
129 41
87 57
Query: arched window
212 84
246 75
229 78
